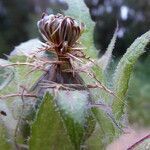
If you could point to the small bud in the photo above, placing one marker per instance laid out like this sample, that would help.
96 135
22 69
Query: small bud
61 31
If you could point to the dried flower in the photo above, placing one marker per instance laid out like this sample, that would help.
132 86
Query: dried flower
60 31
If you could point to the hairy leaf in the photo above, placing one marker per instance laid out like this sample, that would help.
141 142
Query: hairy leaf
27 48
107 128
106 58
6 74
99 66
7 124
14 103
77 115
4 145
124 70
47 130
79 11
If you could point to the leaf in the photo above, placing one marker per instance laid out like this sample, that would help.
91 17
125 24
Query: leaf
76 115
99 66
4 145
79 11
27 48
47 130
20 76
124 70
107 128
106 58
7 125
95 141
6 74
14 104
22 53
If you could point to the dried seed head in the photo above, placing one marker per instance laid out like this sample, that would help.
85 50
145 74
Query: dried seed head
61 31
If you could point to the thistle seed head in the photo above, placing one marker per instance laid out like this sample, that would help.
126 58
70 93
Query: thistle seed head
60 31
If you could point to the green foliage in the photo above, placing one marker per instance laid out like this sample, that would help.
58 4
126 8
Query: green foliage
19 73
3 139
47 130
70 116
77 116
107 128
106 58
7 125
124 70
79 11
6 74
68 121
13 105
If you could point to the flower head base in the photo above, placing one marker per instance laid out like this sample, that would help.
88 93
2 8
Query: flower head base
60 31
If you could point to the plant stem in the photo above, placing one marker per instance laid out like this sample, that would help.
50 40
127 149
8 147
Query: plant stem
139 142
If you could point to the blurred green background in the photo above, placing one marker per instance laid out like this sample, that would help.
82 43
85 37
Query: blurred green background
18 24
